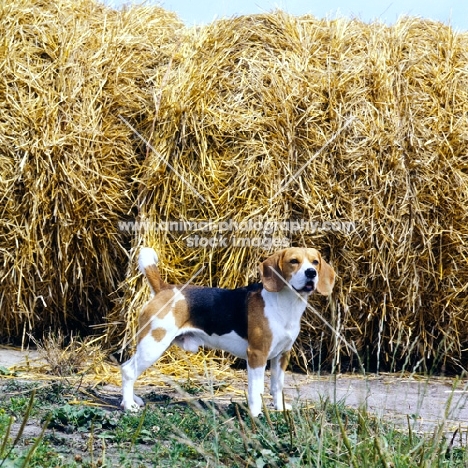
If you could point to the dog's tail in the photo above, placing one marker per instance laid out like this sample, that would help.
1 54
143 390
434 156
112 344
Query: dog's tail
148 263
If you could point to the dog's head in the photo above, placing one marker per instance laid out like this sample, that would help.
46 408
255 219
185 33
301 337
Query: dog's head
304 270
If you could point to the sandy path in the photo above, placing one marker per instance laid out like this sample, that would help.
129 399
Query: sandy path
427 403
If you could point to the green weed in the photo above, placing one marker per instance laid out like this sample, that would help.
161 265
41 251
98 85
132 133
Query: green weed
177 434
70 418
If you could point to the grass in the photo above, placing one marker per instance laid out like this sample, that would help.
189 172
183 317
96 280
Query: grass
175 433
66 422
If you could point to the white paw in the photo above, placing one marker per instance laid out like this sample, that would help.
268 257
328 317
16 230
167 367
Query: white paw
255 408
283 407
255 412
132 406
138 400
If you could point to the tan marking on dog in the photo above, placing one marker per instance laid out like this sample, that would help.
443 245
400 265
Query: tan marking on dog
158 334
154 278
159 307
271 274
277 270
284 360
260 336
144 322
181 313
326 275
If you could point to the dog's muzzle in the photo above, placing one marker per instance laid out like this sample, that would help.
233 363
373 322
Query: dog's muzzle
311 275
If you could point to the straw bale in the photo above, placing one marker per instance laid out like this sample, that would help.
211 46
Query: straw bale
373 121
68 69
111 116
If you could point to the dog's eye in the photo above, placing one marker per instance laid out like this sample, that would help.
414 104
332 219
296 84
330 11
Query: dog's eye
294 260
315 262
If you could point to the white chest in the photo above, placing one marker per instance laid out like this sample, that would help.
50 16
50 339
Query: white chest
283 310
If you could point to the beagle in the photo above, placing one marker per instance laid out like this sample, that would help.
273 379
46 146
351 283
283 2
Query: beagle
258 323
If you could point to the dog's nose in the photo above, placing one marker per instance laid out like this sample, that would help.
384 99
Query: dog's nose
310 273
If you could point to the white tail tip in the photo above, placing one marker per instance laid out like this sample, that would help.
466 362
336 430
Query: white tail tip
147 258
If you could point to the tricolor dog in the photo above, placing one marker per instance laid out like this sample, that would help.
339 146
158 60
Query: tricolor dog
258 323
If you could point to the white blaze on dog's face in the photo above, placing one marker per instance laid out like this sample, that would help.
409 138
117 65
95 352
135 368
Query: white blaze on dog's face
303 269
304 276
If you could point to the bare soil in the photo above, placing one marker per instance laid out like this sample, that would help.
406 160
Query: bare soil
425 403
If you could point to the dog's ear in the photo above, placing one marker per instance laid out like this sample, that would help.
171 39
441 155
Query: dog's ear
326 280
271 274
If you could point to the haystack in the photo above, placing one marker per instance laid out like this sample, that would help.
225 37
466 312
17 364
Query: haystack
68 70
225 142
273 118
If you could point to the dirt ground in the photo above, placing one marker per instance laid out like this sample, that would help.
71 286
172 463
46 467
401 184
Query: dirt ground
425 403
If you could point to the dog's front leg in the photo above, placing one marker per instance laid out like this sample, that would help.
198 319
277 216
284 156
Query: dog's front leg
278 365
256 377
256 363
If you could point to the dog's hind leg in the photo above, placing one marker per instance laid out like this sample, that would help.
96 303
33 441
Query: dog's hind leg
130 371
148 351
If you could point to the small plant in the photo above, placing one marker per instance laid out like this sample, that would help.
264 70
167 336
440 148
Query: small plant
65 356
191 387
68 418
57 392
5 371
18 404
17 397
17 386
